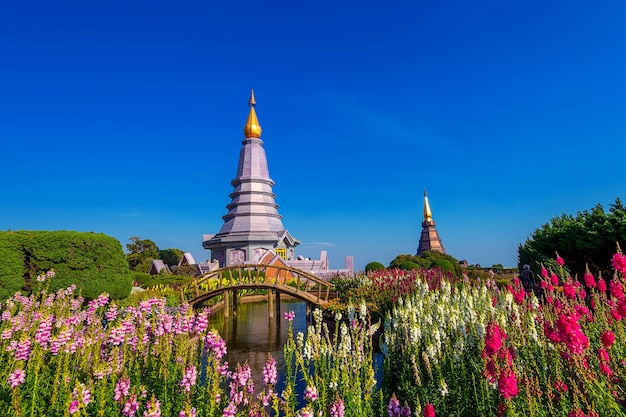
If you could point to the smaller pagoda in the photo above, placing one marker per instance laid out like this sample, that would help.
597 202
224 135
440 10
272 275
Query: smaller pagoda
430 239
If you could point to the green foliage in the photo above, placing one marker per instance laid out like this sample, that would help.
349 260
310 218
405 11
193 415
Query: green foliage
11 265
589 237
95 263
141 278
444 264
170 256
141 253
374 266
428 259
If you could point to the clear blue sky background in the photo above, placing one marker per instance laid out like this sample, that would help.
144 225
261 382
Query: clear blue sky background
126 117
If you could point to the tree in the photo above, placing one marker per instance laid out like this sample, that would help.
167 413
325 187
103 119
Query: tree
374 266
141 253
170 256
588 238
428 259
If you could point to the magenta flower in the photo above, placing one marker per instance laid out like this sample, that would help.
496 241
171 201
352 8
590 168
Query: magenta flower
73 407
493 339
560 386
619 263
608 338
16 378
601 285
290 315
507 384
559 260
429 410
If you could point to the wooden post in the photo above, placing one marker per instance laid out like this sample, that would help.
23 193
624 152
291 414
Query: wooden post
235 303
226 306
278 304
270 303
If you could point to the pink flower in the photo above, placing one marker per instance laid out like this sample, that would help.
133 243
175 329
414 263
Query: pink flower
560 386
290 315
590 281
153 408
270 375
568 290
73 407
544 272
601 285
507 384
608 338
493 339
429 410
189 378
337 409
554 280
310 393
617 291
619 263
559 261
16 378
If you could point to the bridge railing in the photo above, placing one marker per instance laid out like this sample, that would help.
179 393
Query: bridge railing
257 275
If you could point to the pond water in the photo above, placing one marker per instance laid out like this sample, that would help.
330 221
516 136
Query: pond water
252 335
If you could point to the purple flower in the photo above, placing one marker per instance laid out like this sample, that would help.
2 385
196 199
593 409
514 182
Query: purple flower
270 375
189 378
290 315
16 378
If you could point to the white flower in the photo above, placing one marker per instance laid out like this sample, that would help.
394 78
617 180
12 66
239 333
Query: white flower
443 387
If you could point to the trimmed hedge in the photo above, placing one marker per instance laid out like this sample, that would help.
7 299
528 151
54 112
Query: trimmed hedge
95 262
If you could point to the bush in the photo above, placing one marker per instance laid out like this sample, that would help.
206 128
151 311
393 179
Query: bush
94 262
444 264
374 266
140 278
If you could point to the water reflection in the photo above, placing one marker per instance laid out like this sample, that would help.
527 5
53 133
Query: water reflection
252 334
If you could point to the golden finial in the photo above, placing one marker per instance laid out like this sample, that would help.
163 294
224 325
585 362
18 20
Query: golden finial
252 129
428 215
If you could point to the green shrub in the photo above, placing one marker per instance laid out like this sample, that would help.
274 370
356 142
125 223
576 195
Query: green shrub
11 266
140 278
94 262
444 264
374 266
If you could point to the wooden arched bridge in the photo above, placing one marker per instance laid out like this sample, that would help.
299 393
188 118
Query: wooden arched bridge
276 279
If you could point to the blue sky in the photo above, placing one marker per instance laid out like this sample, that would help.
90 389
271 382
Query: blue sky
126 117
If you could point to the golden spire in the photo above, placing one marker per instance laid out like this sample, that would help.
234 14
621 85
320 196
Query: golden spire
428 215
252 129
